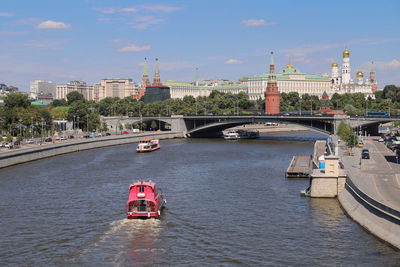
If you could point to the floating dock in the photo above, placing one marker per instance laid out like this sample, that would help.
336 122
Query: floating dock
300 167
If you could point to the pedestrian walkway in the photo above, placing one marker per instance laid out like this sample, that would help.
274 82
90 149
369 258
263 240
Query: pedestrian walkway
378 177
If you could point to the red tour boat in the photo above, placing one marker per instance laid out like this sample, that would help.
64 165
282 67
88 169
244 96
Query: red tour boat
148 145
145 200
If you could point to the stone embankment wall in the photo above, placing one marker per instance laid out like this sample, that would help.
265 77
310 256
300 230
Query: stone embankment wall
49 150
378 219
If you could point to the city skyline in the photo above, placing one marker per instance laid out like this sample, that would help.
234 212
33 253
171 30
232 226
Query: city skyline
95 39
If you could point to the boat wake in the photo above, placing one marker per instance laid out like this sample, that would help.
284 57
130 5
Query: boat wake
126 240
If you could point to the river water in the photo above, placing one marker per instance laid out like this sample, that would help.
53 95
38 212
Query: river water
228 204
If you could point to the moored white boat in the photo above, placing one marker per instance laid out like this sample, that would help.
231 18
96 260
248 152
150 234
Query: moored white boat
241 134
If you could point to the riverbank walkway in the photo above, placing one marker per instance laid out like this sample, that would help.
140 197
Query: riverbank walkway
377 177
372 190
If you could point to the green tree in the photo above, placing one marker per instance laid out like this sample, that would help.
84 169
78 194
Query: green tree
74 96
346 133
59 112
59 103
153 125
104 127
9 138
77 112
16 101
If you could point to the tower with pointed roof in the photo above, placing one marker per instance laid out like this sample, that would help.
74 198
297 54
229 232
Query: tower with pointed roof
324 106
156 79
346 76
374 86
272 93
145 81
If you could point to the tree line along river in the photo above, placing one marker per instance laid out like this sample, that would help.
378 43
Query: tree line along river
228 204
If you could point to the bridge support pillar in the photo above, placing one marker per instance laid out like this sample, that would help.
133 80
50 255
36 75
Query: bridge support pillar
178 124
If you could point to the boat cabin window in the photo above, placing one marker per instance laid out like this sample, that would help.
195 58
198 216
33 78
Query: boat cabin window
141 189
142 206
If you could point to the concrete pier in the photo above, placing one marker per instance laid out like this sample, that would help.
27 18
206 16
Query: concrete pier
328 182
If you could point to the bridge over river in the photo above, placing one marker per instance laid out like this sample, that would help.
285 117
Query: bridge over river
212 125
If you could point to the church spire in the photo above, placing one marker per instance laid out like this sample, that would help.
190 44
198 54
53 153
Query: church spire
156 80
145 76
145 68
272 67
272 64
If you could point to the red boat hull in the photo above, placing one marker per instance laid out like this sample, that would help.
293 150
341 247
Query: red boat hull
145 201
147 150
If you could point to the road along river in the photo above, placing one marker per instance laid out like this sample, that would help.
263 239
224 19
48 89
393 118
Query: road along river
228 203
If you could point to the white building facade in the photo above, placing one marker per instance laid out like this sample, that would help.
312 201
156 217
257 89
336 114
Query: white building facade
203 88
289 80
63 89
115 88
345 84
43 88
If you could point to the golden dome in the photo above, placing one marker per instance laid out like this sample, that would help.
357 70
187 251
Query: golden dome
359 74
289 66
346 53
334 64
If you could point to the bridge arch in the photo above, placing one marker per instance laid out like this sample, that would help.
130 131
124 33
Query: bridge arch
214 129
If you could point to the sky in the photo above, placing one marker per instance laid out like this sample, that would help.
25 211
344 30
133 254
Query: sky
90 40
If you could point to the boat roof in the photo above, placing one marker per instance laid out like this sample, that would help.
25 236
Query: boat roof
149 183
146 139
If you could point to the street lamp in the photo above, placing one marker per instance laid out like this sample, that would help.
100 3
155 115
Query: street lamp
32 126
20 127
77 119
42 128
300 107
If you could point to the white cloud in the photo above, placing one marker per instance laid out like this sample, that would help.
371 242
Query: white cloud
143 22
160 8
233 61
46 44
3 14
393 64
50 24
106 10
134 48
256 23
128 9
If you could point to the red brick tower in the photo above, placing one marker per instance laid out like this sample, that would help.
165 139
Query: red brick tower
272 93
325 103
156 80
145 81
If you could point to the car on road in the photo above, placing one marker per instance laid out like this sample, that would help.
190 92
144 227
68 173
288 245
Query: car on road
63 138
8 145
125 132
30 141
48 139
365 154
380 139
108 134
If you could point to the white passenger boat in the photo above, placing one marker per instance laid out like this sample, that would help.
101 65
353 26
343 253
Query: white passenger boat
241 134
